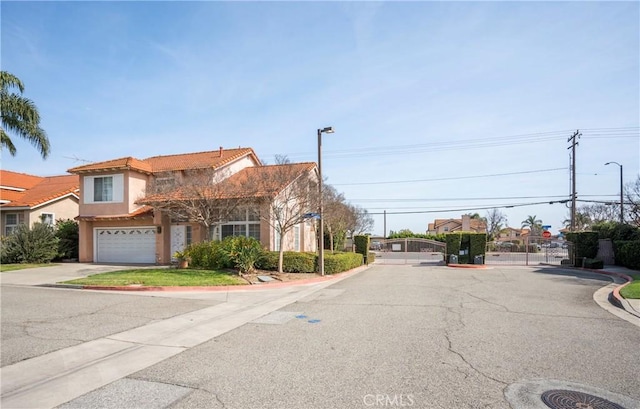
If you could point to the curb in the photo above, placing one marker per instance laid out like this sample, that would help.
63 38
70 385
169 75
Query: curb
614 296
477 266
243 287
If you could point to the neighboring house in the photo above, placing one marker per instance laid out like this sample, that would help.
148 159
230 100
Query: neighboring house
466 224
122 220
509 233
26 199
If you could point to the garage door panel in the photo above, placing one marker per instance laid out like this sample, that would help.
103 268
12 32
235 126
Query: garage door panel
126 245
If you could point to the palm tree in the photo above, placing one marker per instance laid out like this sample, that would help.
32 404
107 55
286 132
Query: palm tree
533 223
20 116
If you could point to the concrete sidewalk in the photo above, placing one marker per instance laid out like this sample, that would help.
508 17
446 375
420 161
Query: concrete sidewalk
622 274
54 378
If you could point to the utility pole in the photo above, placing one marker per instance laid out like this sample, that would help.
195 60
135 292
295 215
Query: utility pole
385 224
574 142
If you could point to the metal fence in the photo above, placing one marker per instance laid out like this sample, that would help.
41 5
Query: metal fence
408 251
530 251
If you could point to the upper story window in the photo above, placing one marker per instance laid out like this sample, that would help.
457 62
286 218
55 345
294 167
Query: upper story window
104 189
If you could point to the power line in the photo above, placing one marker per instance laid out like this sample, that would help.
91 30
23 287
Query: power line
449 178
470 198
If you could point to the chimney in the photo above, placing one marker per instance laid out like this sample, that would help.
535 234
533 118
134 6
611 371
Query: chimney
466 222
221 151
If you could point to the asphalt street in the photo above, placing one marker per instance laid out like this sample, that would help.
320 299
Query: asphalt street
419 335
428 337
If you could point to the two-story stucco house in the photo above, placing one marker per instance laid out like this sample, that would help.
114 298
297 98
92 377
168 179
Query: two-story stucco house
124 218
466 224
26 199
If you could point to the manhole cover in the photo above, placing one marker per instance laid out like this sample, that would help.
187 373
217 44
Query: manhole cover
565 399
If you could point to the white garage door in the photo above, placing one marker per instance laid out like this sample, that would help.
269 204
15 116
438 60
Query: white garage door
126 245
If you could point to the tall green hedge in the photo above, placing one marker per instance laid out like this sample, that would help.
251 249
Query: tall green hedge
478 246
453 241
292 262
627 253
585 245
362 244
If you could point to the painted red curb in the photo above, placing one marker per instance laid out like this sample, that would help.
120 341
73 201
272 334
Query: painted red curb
616 291
478 266
243 287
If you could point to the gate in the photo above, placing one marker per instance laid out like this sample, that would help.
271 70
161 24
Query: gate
409 251
531 251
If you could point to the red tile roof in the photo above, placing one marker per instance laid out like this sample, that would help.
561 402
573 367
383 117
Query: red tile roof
46 189
250 182
155 164
143 212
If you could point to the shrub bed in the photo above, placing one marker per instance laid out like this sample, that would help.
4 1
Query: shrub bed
627 253
339 262
292 262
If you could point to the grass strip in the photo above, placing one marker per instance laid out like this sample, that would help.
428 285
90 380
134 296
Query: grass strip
171 277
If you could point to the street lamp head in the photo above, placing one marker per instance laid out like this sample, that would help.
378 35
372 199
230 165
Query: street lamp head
615 163
328 129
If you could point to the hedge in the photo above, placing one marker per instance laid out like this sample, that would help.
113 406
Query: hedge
339 262
593 263
453 245
292 262
362 244
585 244
475 243
627 253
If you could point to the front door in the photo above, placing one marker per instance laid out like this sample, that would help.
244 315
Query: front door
178 239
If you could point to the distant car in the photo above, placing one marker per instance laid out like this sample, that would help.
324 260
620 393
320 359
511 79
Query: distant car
565 245
375 245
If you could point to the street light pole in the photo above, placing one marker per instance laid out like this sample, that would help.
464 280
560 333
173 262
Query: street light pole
328 129
621 192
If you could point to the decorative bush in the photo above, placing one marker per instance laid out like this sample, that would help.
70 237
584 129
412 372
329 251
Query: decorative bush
362 245
593 263
339 262
371 257
204 255
617 231
585 244
477 245
293 262
67 234
36 245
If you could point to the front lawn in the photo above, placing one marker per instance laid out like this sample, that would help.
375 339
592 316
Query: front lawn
14 267
161 277
632 290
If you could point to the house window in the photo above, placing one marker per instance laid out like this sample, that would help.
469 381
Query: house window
254 231
234 230
446 229
11 222
242 222
104 189
188 237
47 218
296 238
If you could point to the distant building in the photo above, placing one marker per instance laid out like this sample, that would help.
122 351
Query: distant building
464 224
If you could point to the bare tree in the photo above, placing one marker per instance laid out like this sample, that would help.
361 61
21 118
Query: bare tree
363 222
287 192
338 216
632 202
496 220
196 196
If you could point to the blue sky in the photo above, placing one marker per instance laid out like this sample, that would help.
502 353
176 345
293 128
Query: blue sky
427 98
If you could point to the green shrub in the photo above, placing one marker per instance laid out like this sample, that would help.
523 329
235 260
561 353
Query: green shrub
585 244
293 262
617 231
239 252
204 255
339 262
593 263
453 241
36 245
627 253
371 257
477 245
67 234
361 244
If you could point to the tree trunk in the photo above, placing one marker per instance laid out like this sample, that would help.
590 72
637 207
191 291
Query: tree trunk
281 253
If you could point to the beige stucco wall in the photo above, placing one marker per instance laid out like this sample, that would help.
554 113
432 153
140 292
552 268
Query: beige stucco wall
99 209
66 208
134 188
